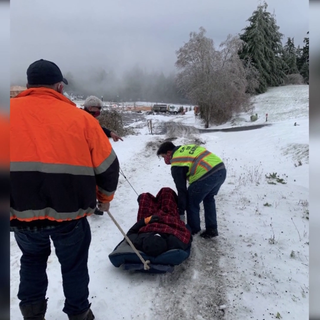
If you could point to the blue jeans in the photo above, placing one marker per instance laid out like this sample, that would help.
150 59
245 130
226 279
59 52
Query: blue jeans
204 190
71 241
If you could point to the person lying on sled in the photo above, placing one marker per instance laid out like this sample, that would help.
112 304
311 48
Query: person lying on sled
159 227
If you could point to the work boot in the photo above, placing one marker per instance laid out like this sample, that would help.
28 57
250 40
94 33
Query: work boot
209 233
87 315
35 311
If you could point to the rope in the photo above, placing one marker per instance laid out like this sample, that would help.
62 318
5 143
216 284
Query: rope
128 182
145 263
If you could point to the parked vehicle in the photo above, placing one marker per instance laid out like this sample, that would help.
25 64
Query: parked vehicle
175 109
160 108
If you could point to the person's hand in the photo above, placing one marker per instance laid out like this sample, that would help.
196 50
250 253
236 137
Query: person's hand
115 137
151 219
103 206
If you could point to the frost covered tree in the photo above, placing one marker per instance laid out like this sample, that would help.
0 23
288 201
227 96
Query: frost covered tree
290 57
303 59
263 46
215 80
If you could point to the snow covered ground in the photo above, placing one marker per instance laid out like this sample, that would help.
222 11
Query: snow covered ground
258 267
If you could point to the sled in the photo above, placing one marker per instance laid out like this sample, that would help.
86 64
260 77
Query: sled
123 256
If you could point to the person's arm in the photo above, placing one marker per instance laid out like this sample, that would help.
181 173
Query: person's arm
179 175
111 134
105 164
107 132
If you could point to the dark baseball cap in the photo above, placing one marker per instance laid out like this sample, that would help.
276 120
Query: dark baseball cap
44 72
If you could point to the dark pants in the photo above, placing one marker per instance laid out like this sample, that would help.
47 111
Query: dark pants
4 265
204 190
71 240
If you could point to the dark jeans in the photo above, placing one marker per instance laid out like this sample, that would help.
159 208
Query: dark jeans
4 265
71 240
204 190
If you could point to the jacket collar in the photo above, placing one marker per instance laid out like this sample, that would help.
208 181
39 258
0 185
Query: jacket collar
175 149
44 91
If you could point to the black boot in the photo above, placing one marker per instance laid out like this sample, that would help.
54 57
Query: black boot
209 233
34 311
88 315
98 212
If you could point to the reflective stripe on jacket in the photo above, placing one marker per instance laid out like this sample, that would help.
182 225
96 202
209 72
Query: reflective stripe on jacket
197 159
58 154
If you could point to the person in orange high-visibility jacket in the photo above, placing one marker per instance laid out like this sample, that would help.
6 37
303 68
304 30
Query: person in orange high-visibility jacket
60 163
4 164
4 209
205 173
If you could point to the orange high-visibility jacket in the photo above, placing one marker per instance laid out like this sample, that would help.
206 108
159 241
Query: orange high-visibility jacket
4 162
58 155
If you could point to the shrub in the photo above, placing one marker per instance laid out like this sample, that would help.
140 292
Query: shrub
295 78
112 120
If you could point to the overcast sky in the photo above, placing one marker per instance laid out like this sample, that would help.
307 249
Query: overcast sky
81 35
4 54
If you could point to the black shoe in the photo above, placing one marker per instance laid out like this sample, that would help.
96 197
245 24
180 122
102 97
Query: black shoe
209 233
98 212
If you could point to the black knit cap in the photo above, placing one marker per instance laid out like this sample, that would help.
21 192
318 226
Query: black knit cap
154 245
44 72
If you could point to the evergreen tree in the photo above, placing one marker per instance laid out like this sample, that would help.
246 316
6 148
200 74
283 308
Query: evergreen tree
264 48
290 57
303 59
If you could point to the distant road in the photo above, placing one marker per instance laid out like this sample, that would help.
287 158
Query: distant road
176 128
242 128
171 127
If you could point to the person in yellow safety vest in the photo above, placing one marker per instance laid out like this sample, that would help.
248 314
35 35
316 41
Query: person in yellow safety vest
205 173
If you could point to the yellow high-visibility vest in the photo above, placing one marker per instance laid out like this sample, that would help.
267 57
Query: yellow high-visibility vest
196 158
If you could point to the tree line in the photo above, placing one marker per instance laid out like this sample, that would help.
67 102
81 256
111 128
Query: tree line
134 85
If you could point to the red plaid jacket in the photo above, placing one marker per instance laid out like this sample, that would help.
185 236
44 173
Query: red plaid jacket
165 206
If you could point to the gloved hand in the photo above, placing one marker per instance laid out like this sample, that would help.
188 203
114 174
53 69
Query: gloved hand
151 219
103 206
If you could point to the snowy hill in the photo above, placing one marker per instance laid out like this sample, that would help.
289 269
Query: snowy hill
258 266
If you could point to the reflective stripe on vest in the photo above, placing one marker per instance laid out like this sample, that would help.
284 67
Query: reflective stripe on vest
197 159
48 213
